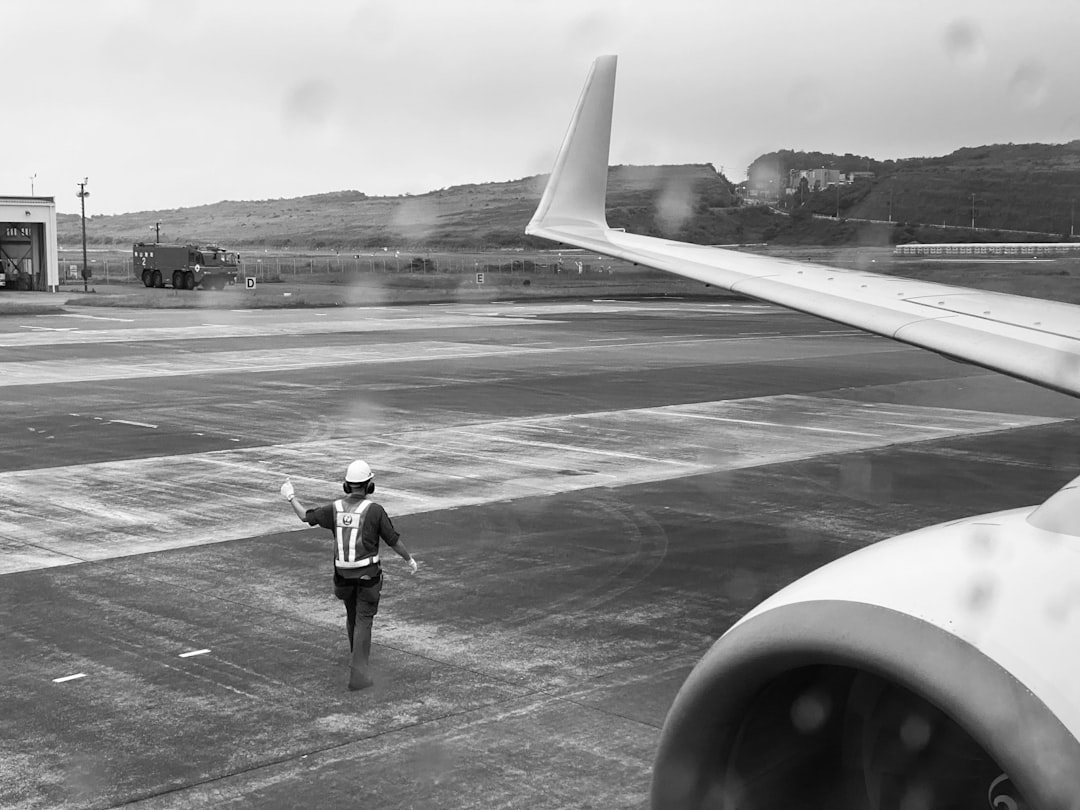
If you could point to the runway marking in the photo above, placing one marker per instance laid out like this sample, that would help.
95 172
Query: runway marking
373 319
775 424
120 509
88 317
44 372
193 653
69 677
129 422
920 427
570 448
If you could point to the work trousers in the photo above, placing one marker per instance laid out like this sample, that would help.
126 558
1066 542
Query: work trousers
361 598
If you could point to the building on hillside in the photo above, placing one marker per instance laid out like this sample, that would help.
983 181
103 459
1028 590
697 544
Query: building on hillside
818 179
28 253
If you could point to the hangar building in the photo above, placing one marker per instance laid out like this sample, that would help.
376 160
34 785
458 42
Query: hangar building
28 253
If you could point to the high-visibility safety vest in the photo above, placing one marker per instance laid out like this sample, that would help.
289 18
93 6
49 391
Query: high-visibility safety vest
347 526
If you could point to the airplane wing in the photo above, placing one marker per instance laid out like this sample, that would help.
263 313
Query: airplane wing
1027 338
805 700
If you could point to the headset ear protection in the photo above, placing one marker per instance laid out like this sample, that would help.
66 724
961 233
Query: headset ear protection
369 487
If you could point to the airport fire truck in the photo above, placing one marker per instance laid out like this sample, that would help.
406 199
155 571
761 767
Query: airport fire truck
185 267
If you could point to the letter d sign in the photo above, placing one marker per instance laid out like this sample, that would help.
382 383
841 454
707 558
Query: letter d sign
249 282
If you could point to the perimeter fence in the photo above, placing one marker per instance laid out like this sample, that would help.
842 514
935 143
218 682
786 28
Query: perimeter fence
112 267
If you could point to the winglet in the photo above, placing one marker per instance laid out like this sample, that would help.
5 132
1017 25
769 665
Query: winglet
577 189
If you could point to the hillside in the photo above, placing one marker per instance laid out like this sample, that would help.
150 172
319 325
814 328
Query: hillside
1021 187
655 199
1016 187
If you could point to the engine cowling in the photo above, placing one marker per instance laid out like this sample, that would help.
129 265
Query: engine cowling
938 669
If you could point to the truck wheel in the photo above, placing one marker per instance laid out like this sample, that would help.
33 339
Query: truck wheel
156 279
178 279
147 278
189 280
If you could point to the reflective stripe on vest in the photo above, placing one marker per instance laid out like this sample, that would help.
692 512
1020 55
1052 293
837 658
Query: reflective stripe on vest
347 526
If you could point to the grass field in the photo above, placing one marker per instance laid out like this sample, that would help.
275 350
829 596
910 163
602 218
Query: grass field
313 278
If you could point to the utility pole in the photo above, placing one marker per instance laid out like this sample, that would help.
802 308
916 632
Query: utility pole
82 195
157 232
972 212
1072 220
34 175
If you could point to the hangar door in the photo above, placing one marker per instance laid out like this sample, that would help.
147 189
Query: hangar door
22 265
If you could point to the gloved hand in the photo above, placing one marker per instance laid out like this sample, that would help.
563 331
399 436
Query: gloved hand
413 564
287 491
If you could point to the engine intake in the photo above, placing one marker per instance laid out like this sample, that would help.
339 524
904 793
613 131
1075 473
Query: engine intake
843 704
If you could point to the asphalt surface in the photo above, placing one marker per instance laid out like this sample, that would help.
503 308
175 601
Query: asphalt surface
596 491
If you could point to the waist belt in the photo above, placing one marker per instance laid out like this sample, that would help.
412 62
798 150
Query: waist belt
364 563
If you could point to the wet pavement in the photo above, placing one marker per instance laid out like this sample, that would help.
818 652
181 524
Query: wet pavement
596 491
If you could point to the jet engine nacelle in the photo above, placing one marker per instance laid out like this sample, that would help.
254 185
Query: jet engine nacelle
938 669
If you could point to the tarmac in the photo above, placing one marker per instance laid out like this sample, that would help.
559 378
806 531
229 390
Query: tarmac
596 490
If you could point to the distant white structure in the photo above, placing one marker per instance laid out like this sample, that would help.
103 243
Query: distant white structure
988 249
818 179
28 252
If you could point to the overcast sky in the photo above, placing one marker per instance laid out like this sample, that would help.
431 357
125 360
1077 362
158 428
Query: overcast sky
173 103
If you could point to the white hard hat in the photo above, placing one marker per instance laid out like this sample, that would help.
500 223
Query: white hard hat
359 472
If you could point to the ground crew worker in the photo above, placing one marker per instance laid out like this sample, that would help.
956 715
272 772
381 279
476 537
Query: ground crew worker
358 523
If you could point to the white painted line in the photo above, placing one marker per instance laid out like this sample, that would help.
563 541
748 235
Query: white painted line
193 652
129 422
921 427
69 677
89 317
566 448
602 340
50 328
769 424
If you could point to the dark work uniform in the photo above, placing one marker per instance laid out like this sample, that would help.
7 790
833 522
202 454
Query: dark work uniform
358 524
